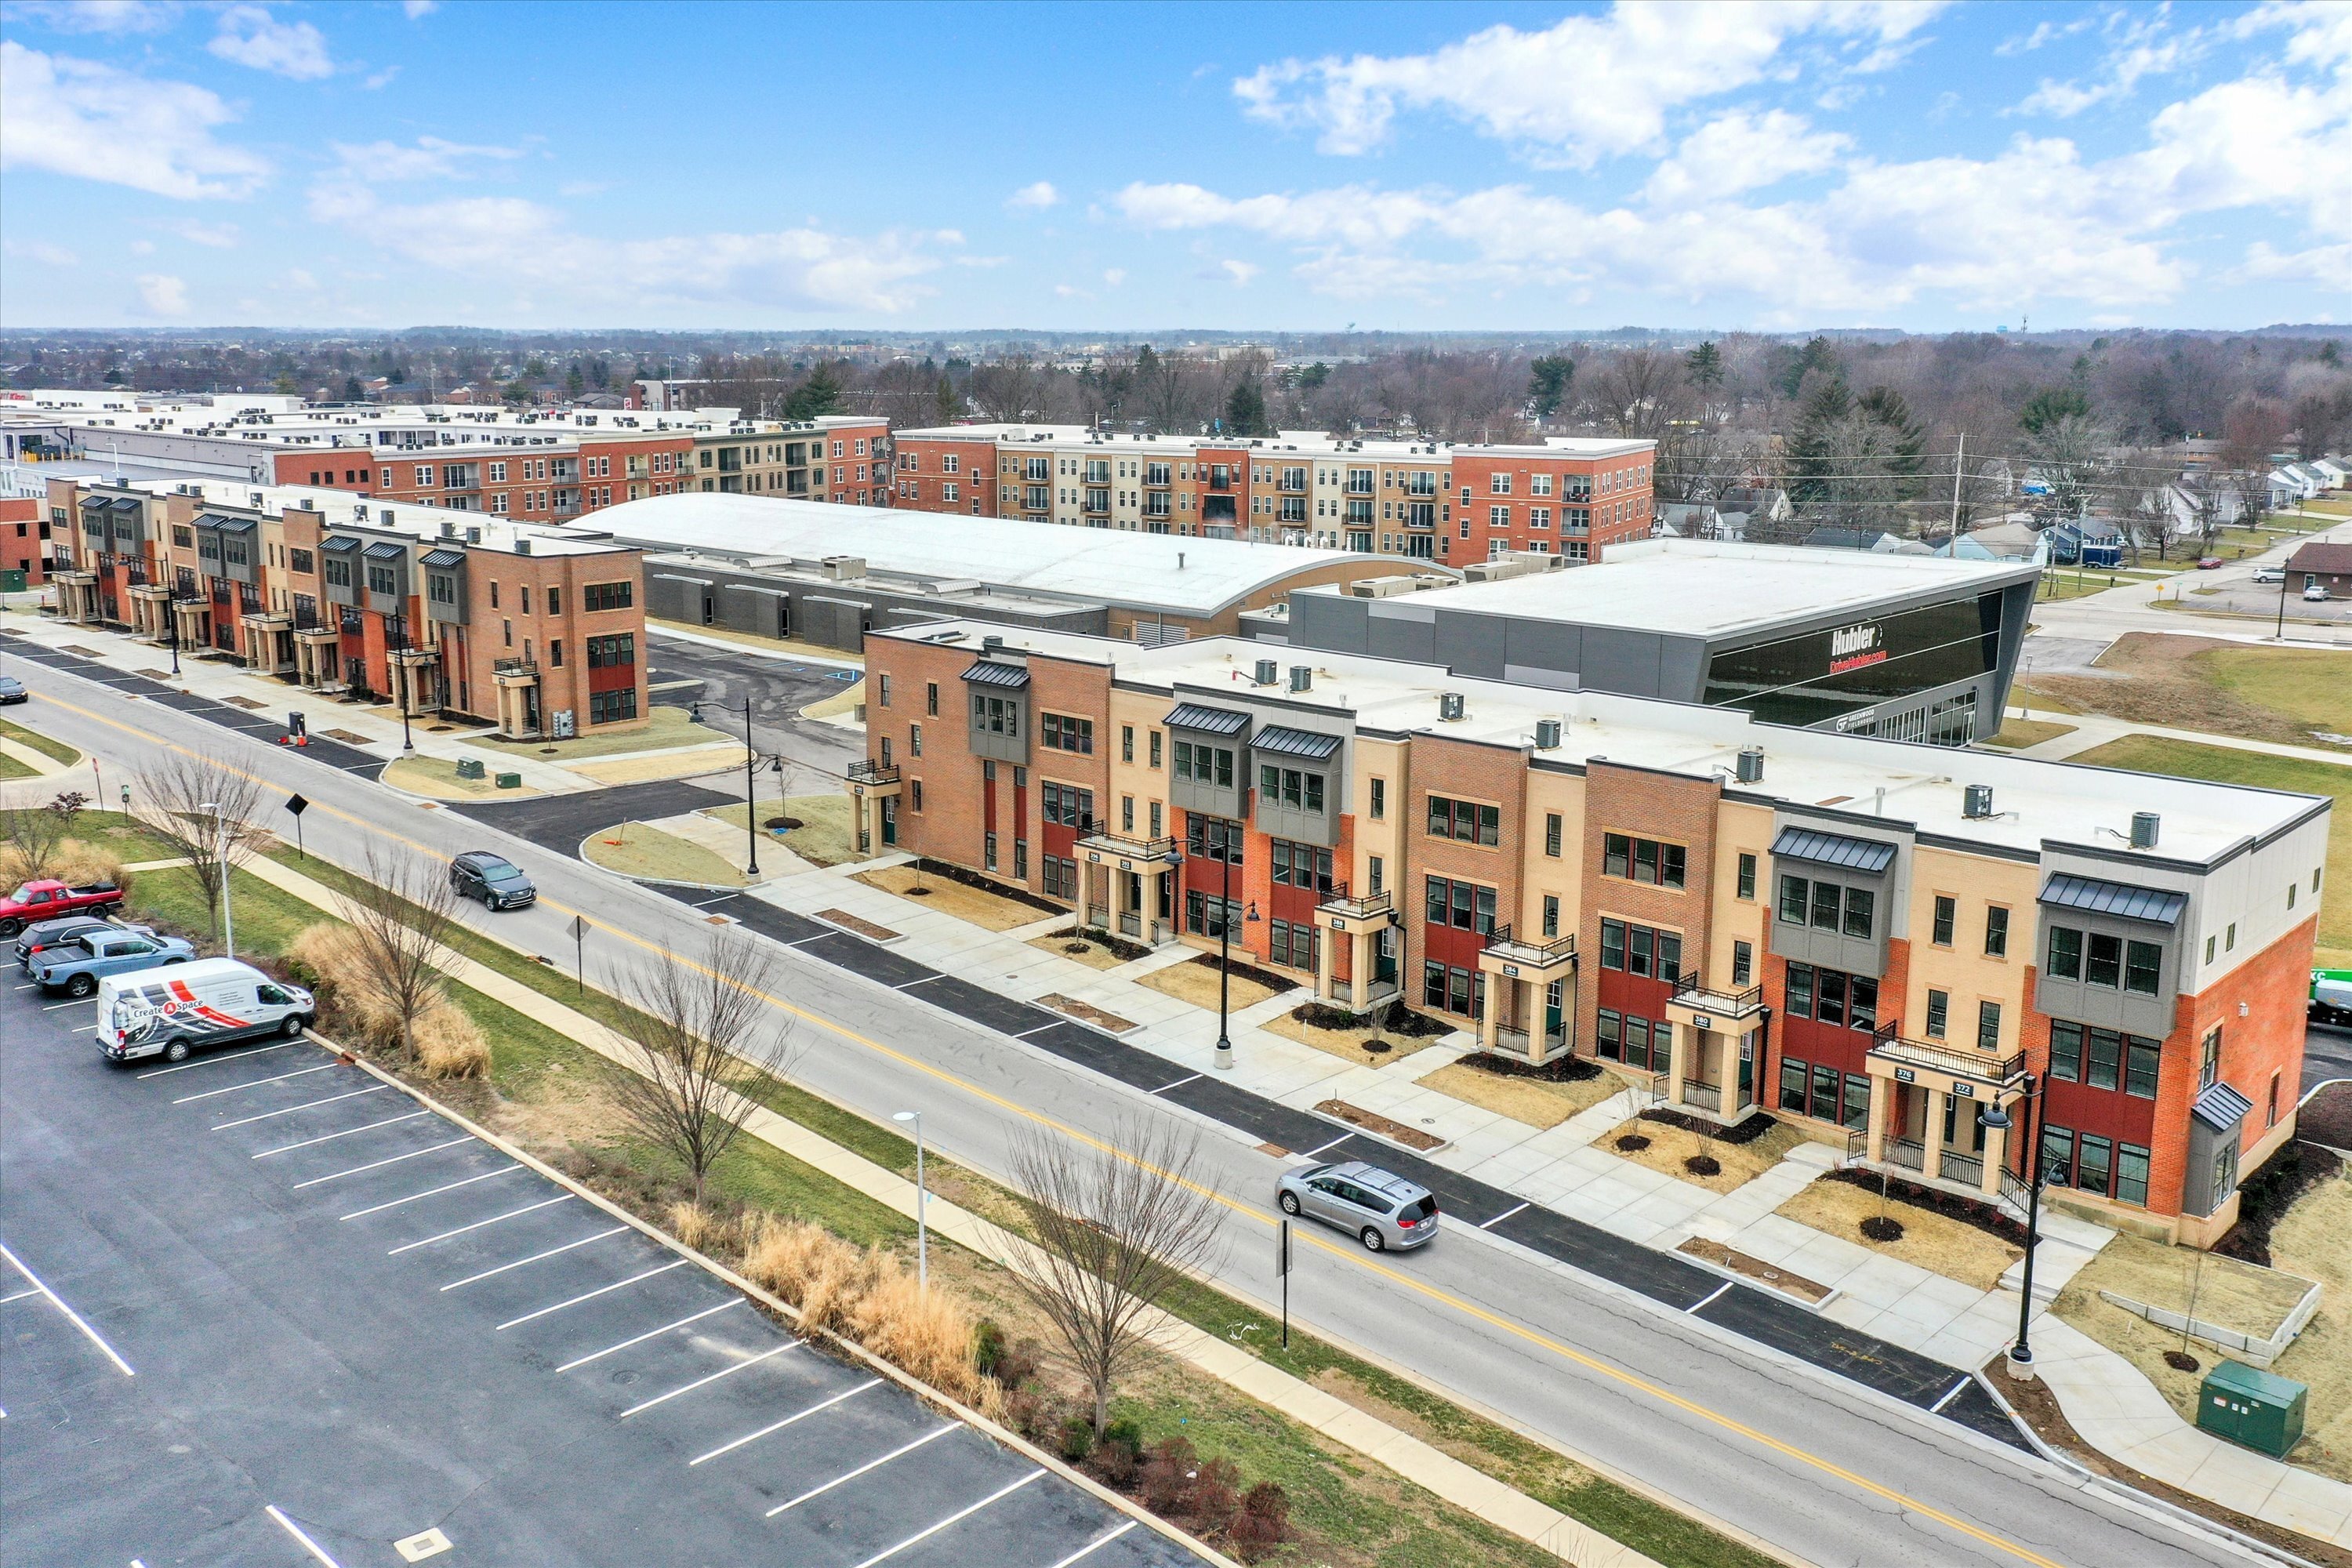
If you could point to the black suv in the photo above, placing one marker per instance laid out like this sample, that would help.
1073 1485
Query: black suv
497 881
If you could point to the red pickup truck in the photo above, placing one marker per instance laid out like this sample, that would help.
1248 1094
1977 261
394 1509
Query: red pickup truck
47 898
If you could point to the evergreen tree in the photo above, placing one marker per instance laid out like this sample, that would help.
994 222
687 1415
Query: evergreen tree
353 390
1245 409
1549 376
1817 355
1705 365
819 394
2050 404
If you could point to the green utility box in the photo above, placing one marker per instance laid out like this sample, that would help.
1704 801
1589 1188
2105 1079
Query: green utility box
2249 1406
470 768
510 781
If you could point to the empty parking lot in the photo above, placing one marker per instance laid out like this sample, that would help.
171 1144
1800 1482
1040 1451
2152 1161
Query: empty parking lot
261 1308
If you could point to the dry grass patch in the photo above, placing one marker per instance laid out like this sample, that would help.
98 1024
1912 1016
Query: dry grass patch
1537 1101
633 850
1929 1240
1670 1146
2228 1293
1195 981
436 778
1077 950
984 909
841 702
827 833
1347 1044
2203 683
2310 1241
2018 734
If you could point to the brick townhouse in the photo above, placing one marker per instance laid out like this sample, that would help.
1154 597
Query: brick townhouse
1450 502
1877 939
25 543
530 628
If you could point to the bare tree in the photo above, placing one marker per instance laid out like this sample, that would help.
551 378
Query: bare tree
402 913
205 812
1117 1227
35 834
697 1041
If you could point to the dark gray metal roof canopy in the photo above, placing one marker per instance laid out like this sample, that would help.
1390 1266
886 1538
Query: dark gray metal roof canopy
1295 743
989 672
2157 906
1207 720
1866 855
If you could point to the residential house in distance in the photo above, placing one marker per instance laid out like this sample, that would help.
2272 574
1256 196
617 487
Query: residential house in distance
2327 566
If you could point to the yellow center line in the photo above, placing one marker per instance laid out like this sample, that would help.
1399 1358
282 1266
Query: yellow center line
1248 1211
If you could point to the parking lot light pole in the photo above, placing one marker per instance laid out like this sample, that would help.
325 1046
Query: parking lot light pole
2020 1354
220 846
922 1202
2281 633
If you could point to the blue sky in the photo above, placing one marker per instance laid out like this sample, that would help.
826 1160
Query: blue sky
1404 167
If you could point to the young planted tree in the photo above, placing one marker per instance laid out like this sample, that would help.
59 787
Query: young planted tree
698 1042
1117 1227
32 836
402 913
207 813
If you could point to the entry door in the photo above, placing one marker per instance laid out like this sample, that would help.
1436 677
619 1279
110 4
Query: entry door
890 820
1384 963
1551 1006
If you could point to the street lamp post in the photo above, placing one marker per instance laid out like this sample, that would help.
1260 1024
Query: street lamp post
220 848
402 674
2281 633
751 781
922 1202
2020 1354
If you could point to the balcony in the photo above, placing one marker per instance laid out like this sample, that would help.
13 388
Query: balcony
1534 960
1102 841
1907 1057
1339 904
869 771
513 672
1704 1006
1532 1045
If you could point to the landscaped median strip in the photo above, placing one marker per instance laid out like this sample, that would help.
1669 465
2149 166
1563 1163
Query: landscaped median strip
1408 1457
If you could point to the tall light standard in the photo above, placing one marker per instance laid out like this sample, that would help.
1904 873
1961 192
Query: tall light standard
750 784
2020 1354
404 680
220 848
922 1202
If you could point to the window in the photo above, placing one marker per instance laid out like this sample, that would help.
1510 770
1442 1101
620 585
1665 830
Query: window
2065 961
1453 990
1127 743
1204 763
1826 905
1988 1025
1996 931
1290 787
2209 1059
604 707
914 795
1792 900
995 715
1463 906
2093 1170
1747 876
1800 990
300 562
1061 734
1302 866
1939 1010
1551 834
2113 963
1860 905
1207 915
609 595
1466 821
882 683
1293 946
1155 748
612 652
1551 914
1639 950
1061 877
1066 806
1213 838
931 698
914 739
1947 910
2142 1061
1380 802
1643 859
1743 963
2131 1173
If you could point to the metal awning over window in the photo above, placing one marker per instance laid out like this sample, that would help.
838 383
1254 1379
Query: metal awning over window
445 558
1866 855
2220 1106
1295 743
386 550
1205 720
2155 905
338 545
991 672
124 503
227 524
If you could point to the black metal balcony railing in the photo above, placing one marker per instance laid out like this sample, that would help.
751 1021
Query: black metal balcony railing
869 772
1981 1066
1690 983
1339 902
514 666
1125 841
1536 950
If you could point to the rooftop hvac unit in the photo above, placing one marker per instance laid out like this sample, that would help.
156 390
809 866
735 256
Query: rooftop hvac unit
2143 828
1749 768
989 644
1449 706
1266 668
1976 801
473 535
522 546
1547 734
1302 675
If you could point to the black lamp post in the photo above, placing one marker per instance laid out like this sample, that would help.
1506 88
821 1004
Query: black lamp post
2281 633
172 619
751 783
398 676
2020 1354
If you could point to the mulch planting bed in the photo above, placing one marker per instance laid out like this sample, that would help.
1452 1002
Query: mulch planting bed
864 928
1373 1121
1084 1012
1765 1274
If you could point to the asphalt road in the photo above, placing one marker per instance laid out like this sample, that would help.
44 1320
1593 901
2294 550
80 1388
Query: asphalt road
2326 1054
1820 1467
684 672
269 1282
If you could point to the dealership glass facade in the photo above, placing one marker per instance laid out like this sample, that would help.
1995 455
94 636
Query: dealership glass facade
1833 674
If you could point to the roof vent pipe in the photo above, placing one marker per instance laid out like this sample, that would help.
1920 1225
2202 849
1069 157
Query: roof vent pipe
2143 828
1179 561
1302 677
1749 768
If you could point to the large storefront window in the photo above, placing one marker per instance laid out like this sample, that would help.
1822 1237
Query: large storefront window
1814 677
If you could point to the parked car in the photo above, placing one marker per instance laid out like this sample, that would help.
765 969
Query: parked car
76 967
2209 564
2314 593
194 1007
1381 1209
2270 573
497 881
13 690
45 898
48 933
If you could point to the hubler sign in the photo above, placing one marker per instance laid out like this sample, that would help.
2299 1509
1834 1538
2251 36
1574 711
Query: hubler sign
1852 647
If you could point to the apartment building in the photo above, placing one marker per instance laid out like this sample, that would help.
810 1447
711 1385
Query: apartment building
1878 938
538 630
1448 502
24 547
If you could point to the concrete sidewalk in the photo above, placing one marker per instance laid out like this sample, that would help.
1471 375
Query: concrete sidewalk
1410 1457
2095 730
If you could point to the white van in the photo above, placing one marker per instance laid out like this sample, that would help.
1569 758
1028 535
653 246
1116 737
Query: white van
194 1006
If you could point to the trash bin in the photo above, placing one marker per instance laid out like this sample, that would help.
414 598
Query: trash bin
510 781
2249 1406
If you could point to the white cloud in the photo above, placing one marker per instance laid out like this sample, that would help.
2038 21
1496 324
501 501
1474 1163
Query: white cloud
1041 194
219 235
525 245
142 247
250 35
1585 88
93 122
301 278
1241 272
1115 276
2329 266
161 294
376 81
416 8
98 16
430 159
40 250
1743 151
2136 48
1067 291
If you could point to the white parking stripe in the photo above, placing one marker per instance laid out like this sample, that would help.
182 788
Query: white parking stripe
75 1317
1949 1394
1333 1144
535 1258
591 1296
346 1132
780 1426
1491 1223
256 1083
698 1383
1718 1291
1180 1083
527 1208
380 1165
210 1062
957 1517
445 1187
648 1334
1097 1544
306 1105
18 1297
933 1435
288 1526
77 1001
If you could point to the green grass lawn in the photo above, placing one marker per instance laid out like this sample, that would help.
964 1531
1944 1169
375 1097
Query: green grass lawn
664 727
10 768
2185 759
2312 685
2016 733
636 850
55 750
826 835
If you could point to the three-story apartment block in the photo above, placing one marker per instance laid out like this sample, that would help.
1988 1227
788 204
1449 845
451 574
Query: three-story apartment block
1879 938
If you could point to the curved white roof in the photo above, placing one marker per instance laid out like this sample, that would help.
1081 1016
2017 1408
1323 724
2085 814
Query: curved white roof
1154 570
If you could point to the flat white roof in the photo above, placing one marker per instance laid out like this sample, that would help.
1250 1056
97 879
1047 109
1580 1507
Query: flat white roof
1306 443
2068 802
1186 575
1700 587
343 510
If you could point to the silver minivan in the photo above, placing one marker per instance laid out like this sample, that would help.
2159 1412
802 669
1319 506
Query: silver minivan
1381 1209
